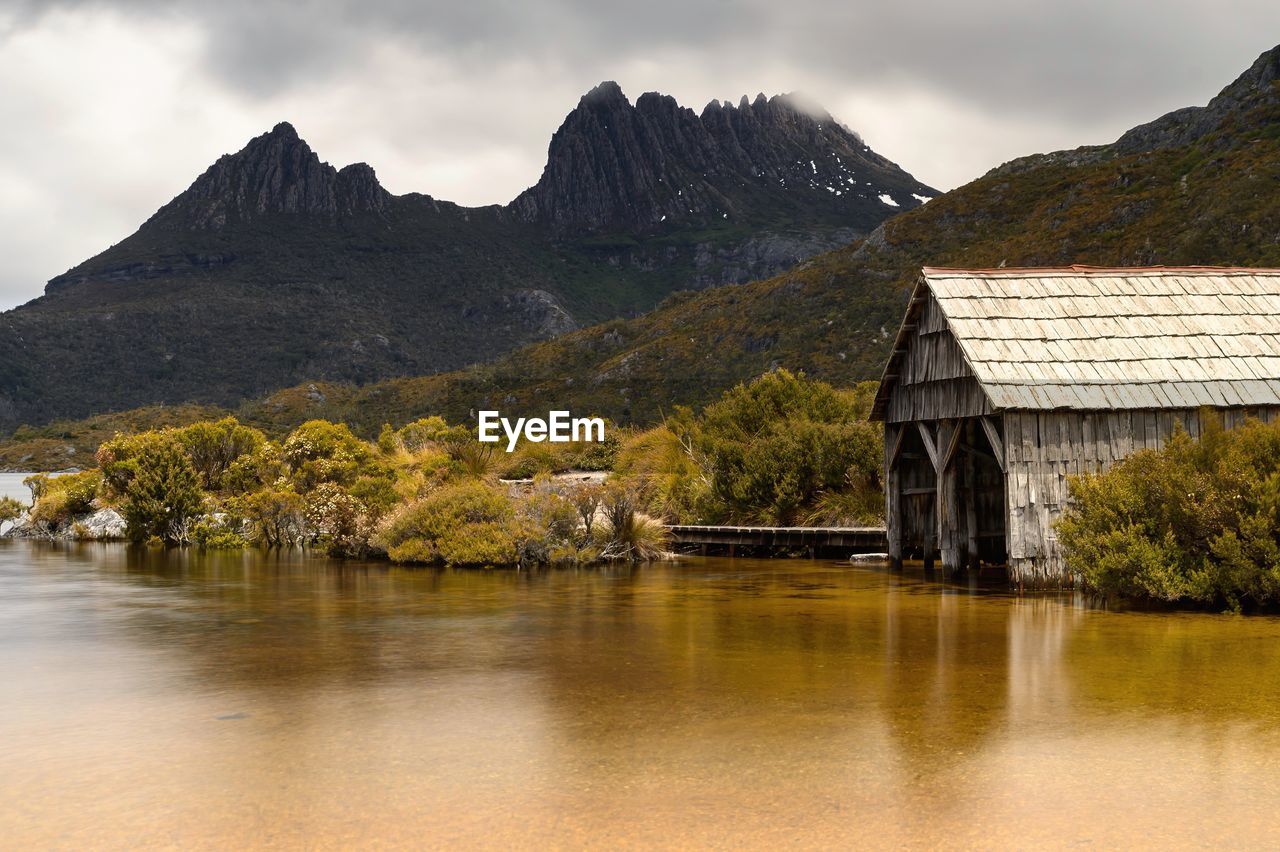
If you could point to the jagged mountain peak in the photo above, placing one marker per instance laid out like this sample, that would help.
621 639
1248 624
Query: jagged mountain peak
604 93
284 130
274 173
652 165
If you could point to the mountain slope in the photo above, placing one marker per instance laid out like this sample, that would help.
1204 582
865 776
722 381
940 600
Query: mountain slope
1200 186
274 267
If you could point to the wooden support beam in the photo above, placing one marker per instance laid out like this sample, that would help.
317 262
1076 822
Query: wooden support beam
997 446
971 556
945 502
930 446
956 431
895 449
892 492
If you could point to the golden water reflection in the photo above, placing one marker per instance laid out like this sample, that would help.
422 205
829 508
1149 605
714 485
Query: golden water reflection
219 700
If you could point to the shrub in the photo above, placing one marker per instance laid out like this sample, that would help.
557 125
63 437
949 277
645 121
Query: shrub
273 515
422 472
338 520
116 458
320 451
58 499
555 529
465 524
473 458
627 534
860 505
676 473
218 533
586 502
11 509
214 446
776 444
163 496
423 433
595 455
530 459
1195 522
778 450
249 472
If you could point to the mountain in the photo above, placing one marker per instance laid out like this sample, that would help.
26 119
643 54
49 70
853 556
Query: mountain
1198 186
617 167
274 267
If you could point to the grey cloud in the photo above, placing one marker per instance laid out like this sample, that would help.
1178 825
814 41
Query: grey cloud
459 99
1081 58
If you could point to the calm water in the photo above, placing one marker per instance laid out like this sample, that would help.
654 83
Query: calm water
239 700
11 486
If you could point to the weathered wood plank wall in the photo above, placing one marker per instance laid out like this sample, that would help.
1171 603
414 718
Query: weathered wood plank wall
936 382
1045 448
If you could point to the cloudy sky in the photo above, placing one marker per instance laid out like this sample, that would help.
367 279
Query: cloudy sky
109 109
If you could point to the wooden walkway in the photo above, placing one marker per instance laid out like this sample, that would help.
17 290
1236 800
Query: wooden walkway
816 540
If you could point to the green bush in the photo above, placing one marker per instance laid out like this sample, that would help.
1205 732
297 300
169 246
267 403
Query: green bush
469 523
678 476
777 450
214 447
58 499
116 458
423 433
218 534
595 455
1195 522
471 457
273 515
531 459
252 471
11 509
163 497
320 451
555 532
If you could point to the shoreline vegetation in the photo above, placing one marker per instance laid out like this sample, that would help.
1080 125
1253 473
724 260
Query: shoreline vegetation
1196 522
782 449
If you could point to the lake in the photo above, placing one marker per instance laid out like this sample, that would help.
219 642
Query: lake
194 700
11 486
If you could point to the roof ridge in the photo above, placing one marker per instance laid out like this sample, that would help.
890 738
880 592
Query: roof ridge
1087 269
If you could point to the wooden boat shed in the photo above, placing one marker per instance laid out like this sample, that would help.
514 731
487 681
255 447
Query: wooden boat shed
1005 382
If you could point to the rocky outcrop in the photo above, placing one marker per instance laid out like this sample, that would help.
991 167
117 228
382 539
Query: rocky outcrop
104 524
613 165
538 309
1256 87
276 172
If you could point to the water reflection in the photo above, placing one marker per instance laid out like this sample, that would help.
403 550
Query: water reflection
251 699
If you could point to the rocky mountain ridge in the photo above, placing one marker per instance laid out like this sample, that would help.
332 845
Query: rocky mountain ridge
617 165
274 266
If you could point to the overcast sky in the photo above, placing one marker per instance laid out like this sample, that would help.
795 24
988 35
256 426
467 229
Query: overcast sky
109 109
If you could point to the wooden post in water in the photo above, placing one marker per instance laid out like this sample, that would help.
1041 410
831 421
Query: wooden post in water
893 437
973 560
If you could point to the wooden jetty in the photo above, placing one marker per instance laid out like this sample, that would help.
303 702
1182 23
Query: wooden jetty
743 541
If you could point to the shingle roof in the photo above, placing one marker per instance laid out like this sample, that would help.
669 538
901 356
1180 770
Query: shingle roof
1112 338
